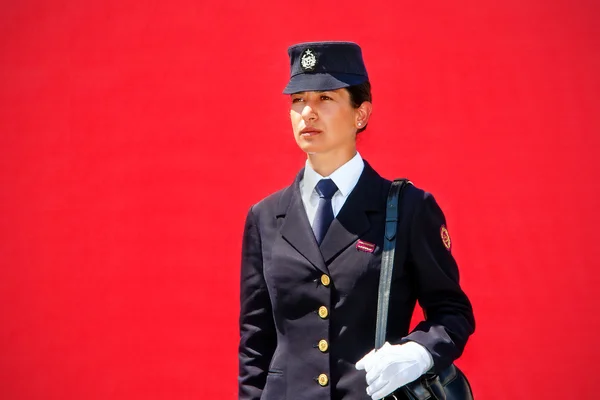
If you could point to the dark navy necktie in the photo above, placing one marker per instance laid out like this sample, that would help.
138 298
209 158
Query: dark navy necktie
326 188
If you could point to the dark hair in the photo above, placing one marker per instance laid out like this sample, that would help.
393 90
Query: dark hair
359 94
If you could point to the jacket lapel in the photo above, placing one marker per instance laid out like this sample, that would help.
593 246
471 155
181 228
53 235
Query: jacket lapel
353 219
296 229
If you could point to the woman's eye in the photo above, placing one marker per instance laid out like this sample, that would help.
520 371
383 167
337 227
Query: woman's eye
296 100
323 97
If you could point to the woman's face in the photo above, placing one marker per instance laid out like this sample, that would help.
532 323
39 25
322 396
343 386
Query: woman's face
324 121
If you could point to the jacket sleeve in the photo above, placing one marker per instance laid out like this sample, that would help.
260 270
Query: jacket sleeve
257 330
449 319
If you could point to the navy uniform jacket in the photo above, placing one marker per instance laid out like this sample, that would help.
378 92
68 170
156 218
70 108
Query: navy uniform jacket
308 313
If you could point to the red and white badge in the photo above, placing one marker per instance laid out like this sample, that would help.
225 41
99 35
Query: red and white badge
367 247
446 237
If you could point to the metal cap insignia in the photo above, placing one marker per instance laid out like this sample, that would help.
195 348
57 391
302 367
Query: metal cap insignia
308 60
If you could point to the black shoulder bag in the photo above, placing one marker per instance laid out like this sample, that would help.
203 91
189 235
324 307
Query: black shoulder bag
450 384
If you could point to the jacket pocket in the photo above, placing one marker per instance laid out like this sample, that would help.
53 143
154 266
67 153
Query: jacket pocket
275 372
275 386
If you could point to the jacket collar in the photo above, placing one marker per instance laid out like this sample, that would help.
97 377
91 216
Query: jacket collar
350 224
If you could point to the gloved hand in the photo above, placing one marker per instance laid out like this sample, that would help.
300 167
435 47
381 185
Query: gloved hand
394 366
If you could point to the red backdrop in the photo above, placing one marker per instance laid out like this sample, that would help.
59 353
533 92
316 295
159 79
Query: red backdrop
135 135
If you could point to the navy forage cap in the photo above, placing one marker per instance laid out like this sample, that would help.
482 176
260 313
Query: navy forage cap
318 66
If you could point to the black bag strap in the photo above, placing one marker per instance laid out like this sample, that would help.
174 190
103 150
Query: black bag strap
392 218
431 386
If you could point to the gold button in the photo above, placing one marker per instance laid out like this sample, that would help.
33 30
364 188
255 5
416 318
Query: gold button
323 312
323 345
325 280
323 380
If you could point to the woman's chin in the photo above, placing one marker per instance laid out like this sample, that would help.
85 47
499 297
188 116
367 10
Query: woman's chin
310 148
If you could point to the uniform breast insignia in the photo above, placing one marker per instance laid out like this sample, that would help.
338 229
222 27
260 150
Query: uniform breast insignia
308 60
446 237
365 246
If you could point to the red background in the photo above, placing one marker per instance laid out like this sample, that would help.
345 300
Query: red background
135 135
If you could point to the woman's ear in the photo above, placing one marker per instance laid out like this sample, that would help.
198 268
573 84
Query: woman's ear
363 113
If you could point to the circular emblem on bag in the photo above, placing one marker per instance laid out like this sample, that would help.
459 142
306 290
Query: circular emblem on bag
308 60
446 237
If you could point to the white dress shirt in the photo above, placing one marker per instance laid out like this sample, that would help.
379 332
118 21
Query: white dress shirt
345 178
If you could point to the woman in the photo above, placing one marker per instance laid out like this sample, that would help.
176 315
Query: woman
312 253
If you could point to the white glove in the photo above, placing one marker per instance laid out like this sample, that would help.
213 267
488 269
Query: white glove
394 366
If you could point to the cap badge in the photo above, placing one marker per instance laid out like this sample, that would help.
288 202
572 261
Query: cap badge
308 60
446 237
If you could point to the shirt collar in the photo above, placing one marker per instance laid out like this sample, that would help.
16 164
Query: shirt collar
345 177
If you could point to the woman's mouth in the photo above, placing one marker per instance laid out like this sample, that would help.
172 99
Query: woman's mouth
308 132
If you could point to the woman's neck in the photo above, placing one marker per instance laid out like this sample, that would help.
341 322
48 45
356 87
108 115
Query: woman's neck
327 163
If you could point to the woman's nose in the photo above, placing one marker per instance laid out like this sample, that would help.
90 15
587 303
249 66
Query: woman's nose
308 113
